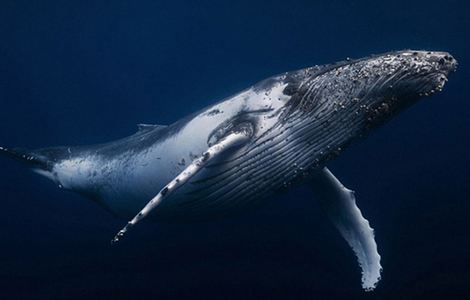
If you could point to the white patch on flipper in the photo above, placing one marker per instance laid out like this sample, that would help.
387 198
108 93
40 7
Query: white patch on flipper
231 140
340 205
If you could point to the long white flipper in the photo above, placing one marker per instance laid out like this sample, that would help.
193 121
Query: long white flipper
231 140
340 205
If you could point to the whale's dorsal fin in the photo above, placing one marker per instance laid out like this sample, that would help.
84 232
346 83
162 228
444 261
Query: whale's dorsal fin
339 203
147 127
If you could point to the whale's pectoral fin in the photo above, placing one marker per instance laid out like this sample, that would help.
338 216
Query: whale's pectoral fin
235 138
340 205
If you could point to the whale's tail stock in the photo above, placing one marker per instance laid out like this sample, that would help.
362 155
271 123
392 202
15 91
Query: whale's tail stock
41 161
51 163
30 158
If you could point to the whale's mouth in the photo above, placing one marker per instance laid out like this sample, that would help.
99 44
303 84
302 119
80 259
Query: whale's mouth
419 74
437 78
422 73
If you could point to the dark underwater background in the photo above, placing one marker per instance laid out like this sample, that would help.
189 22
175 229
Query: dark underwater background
84 72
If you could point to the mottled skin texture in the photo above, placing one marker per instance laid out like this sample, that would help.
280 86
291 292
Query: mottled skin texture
238 152
300 120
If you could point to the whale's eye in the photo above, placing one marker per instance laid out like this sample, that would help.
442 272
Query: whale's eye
234 125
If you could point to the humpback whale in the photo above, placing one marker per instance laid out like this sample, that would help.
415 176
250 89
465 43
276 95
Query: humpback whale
239 152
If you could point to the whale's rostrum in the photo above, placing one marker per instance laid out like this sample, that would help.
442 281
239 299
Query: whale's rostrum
240 151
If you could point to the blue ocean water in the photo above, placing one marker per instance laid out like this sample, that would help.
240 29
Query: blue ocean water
84 72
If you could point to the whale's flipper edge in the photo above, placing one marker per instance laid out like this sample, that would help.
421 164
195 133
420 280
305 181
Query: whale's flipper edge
339 203
233 139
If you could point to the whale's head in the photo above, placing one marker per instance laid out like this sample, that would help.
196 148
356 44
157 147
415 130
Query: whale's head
367 92
391 82
340 102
